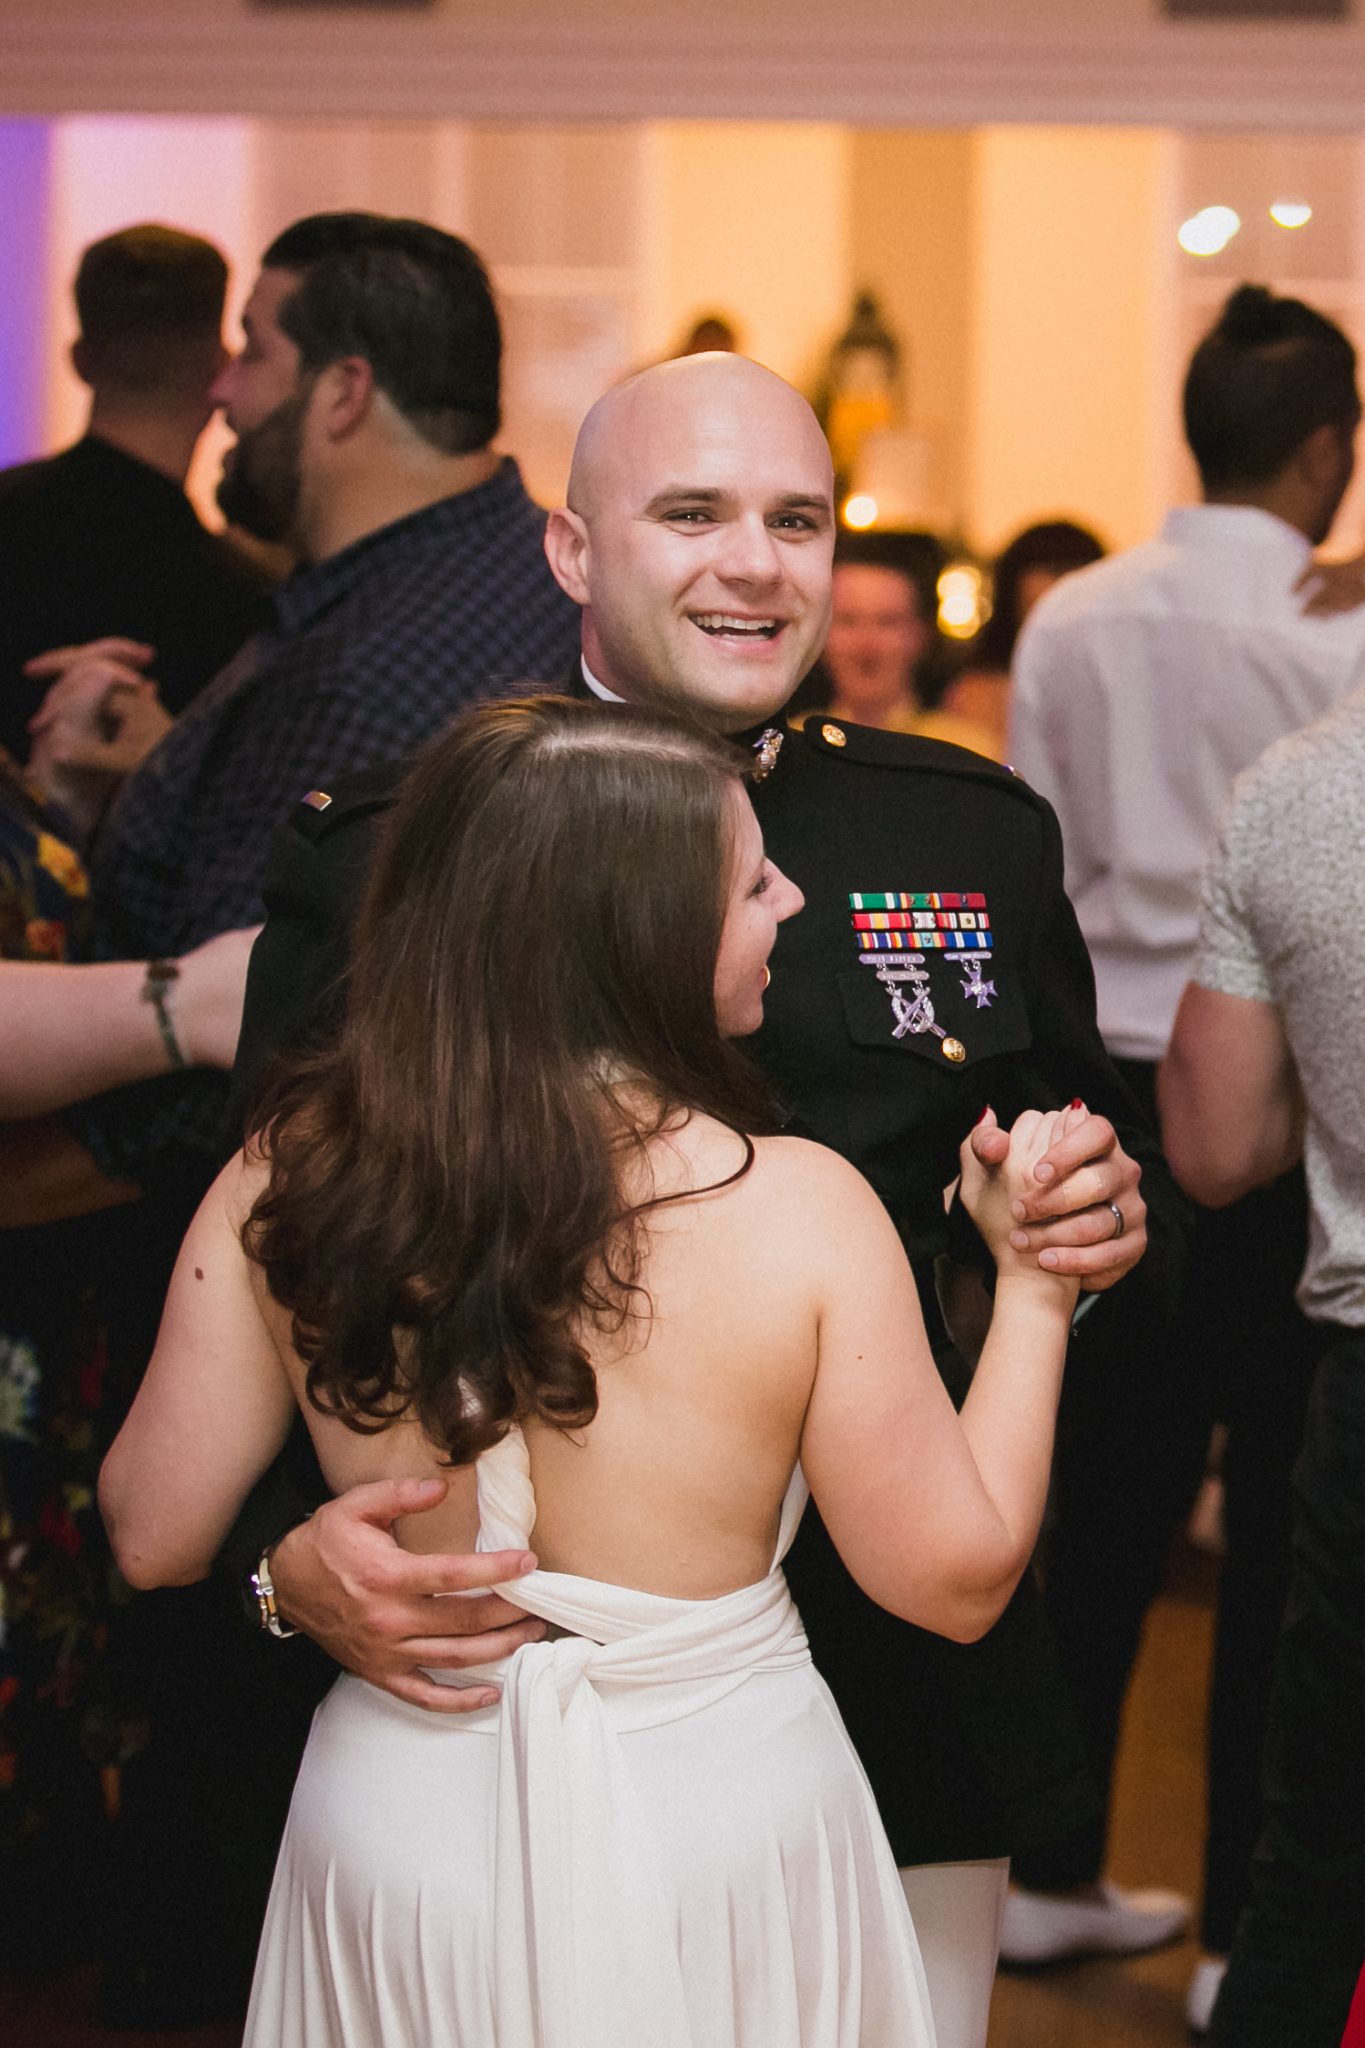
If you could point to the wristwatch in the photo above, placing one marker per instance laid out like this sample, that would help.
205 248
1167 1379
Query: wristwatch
264 1590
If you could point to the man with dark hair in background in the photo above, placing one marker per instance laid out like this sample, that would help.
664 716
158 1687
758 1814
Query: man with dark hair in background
1143 686
365 403
101 539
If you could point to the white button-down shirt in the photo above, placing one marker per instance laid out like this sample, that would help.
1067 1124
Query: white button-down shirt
1142 686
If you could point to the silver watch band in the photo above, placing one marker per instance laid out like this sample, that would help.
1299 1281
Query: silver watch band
263 1587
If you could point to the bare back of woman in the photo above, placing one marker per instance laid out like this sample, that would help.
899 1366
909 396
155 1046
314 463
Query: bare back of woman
676 1485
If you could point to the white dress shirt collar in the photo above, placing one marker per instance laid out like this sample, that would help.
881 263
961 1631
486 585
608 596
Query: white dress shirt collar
1240 527
598 689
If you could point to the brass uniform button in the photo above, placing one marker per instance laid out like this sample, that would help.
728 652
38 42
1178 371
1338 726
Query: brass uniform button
834 735
954 1050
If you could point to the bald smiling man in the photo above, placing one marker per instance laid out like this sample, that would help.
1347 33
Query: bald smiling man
697 538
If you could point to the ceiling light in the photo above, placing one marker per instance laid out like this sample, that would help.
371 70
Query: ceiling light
1291 213
1207 232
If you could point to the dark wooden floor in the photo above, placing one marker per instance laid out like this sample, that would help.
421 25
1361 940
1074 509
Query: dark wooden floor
1157 1840
1158 1836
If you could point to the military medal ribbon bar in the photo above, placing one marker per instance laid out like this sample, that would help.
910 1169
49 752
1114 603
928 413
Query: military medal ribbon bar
906 899
920 921
931 942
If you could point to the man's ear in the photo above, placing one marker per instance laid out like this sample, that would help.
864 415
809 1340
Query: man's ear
1326 452
343 395
568 551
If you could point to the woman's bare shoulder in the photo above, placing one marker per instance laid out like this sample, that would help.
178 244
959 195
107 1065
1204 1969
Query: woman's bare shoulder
814 1189
235 1189
798 1192
804 1165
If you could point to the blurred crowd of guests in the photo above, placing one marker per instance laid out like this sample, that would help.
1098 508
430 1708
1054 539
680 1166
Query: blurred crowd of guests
162 706
888 662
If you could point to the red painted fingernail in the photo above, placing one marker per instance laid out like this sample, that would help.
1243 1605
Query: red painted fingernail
1076 1103
984 1114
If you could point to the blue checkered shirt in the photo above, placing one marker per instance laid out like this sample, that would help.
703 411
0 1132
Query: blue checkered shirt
370 653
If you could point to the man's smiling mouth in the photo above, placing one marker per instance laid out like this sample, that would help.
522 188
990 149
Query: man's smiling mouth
728 624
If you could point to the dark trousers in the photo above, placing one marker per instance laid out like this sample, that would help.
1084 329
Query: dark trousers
1301 1941
1140 1398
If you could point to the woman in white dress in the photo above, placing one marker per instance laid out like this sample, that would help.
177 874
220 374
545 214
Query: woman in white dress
522 1235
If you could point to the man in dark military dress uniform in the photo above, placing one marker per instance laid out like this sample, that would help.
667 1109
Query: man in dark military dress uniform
936 969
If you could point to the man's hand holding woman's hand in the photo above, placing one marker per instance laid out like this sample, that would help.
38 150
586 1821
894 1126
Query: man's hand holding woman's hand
993 1187
1077 1192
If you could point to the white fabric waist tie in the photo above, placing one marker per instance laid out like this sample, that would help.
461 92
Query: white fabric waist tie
584 1954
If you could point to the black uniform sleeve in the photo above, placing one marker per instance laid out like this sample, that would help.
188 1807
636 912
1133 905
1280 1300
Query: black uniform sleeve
294 995
296 981
1067 1058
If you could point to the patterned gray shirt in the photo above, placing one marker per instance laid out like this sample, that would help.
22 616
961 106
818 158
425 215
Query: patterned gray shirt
1284 923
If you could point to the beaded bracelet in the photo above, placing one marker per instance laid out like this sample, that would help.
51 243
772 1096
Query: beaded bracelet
159 976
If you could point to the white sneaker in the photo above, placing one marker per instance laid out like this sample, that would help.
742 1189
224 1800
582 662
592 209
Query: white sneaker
1202 1995
1043 1927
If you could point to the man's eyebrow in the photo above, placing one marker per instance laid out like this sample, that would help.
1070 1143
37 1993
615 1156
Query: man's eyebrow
702 494
693 494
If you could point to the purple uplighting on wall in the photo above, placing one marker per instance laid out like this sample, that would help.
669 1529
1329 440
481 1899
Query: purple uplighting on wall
25 152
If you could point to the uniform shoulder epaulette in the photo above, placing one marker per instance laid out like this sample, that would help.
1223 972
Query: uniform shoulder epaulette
345 801
870 747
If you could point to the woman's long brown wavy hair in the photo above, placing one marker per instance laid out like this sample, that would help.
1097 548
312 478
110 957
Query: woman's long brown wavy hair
445 1216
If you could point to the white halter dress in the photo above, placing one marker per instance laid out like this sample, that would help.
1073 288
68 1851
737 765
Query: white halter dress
660 1838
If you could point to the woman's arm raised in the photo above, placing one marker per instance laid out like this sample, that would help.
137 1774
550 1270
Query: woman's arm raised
935 1514
213 1410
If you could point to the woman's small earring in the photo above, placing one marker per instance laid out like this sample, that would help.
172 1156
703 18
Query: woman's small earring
767 976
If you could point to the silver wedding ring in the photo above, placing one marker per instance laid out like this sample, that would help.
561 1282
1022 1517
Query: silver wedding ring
1119 1225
